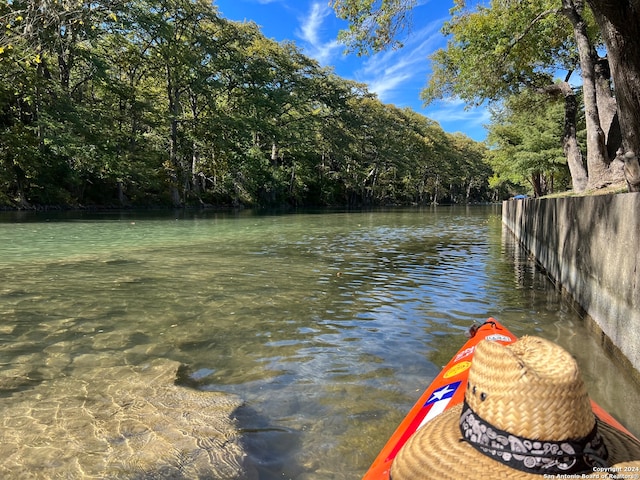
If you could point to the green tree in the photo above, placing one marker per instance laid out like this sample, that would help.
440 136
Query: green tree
428 159
46 55
337 124
471 170
374 25
127 103
524 138
510 46
178 39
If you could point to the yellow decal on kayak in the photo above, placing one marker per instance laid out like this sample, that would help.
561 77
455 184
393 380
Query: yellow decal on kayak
457 369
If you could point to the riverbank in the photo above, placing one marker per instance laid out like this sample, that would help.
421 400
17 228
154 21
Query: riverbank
613 189
588 245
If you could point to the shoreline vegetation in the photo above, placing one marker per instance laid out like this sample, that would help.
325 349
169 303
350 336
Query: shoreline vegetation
614 189
140 105
143 105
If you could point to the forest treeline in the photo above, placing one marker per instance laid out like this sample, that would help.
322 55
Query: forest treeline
152 103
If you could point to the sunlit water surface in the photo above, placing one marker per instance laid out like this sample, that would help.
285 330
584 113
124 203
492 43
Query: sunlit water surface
328 325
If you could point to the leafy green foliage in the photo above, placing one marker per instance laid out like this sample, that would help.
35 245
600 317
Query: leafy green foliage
496 51
373 24
526 146
147 103
503 48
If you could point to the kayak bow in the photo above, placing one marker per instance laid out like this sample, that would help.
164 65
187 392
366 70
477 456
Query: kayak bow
446 391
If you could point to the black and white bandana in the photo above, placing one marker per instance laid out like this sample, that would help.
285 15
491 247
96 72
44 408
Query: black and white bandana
533 456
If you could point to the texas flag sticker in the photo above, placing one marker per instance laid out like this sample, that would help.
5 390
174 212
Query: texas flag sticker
436 404
438 401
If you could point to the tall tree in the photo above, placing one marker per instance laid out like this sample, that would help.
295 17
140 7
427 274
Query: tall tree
164 102
602 169
47 49
524 137
183 43
619 22
512 45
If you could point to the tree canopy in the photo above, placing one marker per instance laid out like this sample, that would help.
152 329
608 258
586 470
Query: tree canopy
167 103
525 133
511 48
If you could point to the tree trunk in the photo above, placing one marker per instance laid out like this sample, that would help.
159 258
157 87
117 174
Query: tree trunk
608 113
173 167
596 149
122 197
570 144
435 191
292 180
619 22
195 169
21 198
173 164
607 108
536 183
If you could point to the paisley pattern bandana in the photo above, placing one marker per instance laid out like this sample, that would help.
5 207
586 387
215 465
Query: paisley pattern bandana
533 456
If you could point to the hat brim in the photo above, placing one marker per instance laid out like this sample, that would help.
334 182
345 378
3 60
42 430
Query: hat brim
438 451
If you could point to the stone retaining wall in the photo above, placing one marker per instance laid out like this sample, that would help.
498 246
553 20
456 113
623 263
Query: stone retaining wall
591 247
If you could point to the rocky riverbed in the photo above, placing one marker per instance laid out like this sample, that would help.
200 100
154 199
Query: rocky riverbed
116 422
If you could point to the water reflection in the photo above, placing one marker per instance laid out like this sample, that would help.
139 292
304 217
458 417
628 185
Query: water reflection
327 325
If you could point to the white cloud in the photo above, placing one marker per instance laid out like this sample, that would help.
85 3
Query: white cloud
381 86
388 72
311 29
312 23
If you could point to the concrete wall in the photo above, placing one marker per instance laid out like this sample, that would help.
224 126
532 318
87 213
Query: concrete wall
591 246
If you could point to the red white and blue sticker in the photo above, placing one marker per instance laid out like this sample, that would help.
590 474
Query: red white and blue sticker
436 404
439 400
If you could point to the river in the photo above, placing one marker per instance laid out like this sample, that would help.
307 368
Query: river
326 324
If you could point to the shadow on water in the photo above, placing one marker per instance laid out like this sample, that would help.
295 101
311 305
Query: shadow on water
272 450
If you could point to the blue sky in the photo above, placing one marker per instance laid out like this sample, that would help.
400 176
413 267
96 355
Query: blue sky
397 77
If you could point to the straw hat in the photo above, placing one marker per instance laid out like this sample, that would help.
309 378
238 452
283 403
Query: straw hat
526 413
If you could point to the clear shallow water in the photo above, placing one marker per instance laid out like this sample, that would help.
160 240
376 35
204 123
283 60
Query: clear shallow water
328 325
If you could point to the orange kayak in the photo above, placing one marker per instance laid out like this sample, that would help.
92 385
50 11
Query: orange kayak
446 391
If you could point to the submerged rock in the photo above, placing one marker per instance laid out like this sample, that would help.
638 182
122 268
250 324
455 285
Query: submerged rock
120 422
